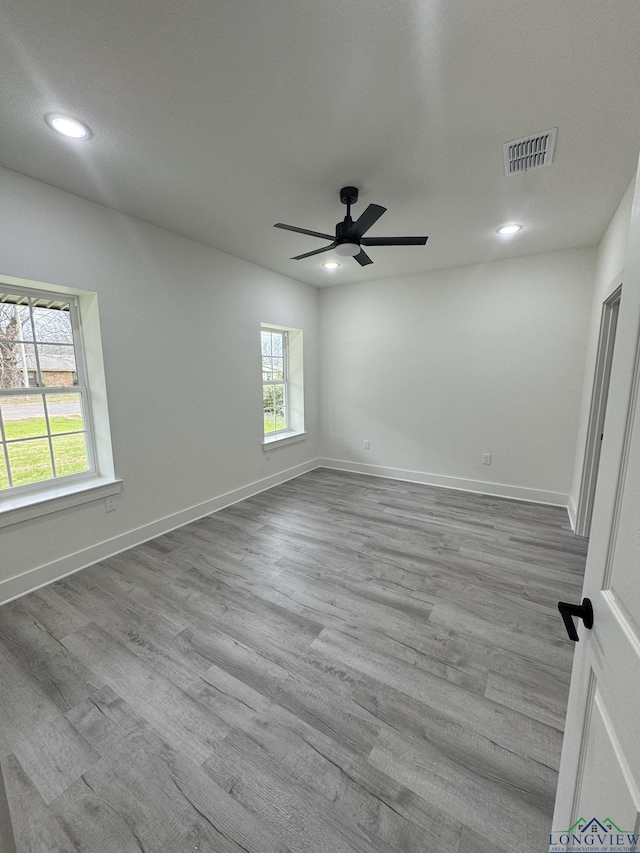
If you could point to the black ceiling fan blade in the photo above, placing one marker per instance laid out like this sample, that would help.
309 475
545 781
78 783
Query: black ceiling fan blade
315 252
362 258
304 231
364 222
394 241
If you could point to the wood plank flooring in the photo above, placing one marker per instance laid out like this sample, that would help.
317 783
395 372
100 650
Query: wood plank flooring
343 664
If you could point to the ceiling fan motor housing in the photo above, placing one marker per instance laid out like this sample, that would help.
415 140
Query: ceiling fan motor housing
349 195
342 227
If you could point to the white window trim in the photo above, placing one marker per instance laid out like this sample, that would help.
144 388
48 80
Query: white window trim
47 496
295 431
27 506
280 439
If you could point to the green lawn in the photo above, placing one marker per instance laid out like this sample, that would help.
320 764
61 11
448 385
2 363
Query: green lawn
30 460
31 427
273 422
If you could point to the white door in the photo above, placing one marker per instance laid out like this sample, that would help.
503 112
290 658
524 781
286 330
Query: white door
598 799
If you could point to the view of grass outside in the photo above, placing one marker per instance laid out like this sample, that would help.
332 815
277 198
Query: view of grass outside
30 460
273 407
273 421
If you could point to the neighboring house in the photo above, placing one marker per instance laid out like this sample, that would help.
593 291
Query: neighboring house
56 370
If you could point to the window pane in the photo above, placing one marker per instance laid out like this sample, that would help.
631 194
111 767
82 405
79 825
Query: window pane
273 404
15 321
274 419
267 369
272 396
280 407
70 454
269 420
23 417
279 422
16 362
65 412
30 461
277 344
268 405
53 325
57 365
277 368
266 343
4 480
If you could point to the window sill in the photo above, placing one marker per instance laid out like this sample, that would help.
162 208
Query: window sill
55 498
282 439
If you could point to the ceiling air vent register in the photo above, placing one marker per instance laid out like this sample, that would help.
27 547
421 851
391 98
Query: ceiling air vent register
528 153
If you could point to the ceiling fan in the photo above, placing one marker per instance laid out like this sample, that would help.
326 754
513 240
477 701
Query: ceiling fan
349 238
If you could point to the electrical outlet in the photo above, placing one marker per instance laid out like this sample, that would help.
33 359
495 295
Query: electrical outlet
486 459
111 503
367 444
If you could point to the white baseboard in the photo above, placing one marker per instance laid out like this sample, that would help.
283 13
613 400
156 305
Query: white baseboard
34 579
498 490
572 510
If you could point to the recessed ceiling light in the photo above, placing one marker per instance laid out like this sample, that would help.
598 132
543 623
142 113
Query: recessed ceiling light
331 265
67 126
509 230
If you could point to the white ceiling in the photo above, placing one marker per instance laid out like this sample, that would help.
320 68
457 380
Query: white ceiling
217 118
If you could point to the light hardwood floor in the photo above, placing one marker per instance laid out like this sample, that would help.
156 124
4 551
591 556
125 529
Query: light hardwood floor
343 663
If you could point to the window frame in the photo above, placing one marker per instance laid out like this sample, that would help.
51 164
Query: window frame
32 500
81 388
294 373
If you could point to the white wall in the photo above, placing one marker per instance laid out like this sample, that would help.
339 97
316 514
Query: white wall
180 330
609 275
434 370
437 369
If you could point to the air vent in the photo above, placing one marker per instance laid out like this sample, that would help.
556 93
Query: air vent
522 155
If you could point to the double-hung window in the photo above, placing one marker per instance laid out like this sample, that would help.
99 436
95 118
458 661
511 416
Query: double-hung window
282 386
275 369
45 426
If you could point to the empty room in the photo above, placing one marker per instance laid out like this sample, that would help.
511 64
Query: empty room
319 426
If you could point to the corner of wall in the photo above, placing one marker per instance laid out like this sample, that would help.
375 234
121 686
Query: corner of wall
608 276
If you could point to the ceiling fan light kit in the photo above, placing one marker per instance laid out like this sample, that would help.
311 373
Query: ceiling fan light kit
348 250
349 237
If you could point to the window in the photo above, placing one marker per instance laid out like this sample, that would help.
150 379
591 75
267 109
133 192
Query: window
274 380
55 441
45 426
282 385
